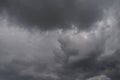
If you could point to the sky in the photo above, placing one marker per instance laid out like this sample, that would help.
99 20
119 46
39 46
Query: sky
54 39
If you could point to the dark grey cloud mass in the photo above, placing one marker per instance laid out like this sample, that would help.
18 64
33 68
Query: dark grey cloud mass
52 14
59 39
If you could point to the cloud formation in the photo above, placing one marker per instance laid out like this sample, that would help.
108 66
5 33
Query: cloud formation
85 33
97 49
25 54
55 14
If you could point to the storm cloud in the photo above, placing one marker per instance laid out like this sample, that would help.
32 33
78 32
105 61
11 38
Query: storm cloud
56 14
59 39
97 49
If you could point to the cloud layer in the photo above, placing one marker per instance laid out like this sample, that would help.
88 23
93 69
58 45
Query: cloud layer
59 39
54 14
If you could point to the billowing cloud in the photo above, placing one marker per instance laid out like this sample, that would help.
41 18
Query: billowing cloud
95 51
24 53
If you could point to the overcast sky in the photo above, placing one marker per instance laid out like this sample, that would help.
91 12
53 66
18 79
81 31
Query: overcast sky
31 31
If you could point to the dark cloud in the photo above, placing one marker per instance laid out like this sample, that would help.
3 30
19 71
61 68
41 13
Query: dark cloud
3 4
55 13
86 53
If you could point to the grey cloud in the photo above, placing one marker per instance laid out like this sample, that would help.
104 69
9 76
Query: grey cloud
19 43
3 4
104 77
56 13
26 55
97 50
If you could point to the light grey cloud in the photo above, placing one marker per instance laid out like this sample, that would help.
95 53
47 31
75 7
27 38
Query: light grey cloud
24 53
